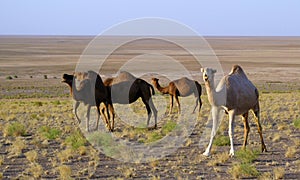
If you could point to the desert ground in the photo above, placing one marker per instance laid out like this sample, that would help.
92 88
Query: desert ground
40 137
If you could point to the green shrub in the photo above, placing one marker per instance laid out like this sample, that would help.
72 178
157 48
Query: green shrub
243 170
38 103
75 140
168 127
222 141
247 156
49 133
8 77
297 123
15 129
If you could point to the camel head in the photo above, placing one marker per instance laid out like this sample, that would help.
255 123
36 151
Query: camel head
66 78
208 74
154 80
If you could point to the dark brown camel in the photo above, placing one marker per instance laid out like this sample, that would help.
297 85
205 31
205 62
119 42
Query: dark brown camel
180 87
126 89
91 91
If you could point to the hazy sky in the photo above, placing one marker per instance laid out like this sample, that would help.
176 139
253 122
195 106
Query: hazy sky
209 17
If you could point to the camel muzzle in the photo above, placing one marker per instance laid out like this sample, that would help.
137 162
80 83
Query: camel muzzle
205 77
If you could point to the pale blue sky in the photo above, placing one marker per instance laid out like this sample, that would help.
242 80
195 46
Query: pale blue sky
91 17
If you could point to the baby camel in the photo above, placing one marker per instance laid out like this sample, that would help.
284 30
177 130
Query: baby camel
180 87
236 95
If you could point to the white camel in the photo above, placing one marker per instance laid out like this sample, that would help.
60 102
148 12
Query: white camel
236 95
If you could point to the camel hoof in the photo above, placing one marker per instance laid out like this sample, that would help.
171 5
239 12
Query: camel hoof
264 149
231 154
152 128
206 154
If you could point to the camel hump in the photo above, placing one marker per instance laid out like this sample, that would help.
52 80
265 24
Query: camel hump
95 78
237 70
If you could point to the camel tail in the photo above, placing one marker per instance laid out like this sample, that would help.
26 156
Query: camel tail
152 88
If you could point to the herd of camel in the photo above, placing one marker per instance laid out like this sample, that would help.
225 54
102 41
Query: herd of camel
235 95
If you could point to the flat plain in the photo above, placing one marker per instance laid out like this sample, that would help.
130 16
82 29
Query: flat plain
40 138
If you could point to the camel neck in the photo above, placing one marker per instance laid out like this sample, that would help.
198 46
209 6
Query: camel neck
161 89
215 98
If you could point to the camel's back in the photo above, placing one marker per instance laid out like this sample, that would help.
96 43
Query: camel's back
123 76
185 86
240 91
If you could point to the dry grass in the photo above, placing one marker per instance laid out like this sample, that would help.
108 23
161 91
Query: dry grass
65 172
278 172
290 152
31 156
219 159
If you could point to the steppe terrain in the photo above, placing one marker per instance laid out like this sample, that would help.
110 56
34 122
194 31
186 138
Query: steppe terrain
40 138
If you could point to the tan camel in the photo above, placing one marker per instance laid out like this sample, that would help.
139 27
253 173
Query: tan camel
90 83
126 89
236 95
180 87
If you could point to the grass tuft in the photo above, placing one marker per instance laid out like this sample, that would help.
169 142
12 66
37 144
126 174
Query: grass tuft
297 123
168 127
49 133
243 170
31 156
221 141
65 172
15 129
247 156
75 140
278 172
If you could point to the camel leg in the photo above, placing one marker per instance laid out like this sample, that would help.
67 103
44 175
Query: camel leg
112 116
88 118
257 120
246 129
148 110
75 107
215 118
171 104
154 110
195 106
231 131
105 120
200 101
178 104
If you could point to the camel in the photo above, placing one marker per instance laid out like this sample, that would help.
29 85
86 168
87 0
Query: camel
236 95
180 87
90 83
126 89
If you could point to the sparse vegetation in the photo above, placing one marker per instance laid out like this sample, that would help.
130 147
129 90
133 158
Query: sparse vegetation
15 129
49 133
297 123
9 77
247 155
243 170
278 172
31 156
65 172
75 140
221 140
